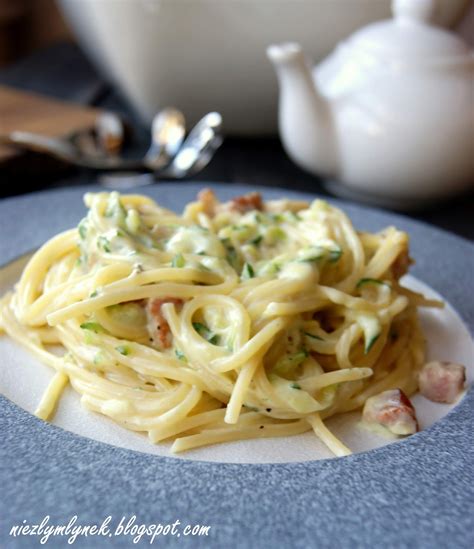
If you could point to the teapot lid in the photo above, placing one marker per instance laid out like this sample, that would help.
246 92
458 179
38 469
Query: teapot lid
410 34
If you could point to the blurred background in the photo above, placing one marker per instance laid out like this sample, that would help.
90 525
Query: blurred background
28 25
135 56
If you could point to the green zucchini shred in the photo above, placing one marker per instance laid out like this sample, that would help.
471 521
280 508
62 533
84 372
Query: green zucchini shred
98 357
103 243
178 261
247 271
181 356
257 240
205 333
115 208
311 259
335 255
287 363
123 350
93 327
82 229
364 281
370 344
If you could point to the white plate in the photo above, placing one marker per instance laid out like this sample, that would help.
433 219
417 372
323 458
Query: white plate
23 379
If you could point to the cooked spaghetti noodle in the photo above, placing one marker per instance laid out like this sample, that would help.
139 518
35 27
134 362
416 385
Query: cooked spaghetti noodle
231 321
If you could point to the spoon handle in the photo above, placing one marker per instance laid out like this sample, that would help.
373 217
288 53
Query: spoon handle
39 143
64 150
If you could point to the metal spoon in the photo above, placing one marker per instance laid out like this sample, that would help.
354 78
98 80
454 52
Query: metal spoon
105 139
198 148
195 153
167 134
167 157
95 149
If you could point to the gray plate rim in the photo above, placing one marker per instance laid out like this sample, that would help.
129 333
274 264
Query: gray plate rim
414 492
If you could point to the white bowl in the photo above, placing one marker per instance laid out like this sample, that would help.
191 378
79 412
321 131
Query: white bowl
203 55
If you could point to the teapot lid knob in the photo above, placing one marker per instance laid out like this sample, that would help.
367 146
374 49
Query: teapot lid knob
414 11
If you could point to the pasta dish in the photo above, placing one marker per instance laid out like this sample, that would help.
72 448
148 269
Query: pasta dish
234 320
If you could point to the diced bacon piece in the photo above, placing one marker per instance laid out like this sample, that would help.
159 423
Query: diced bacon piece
158 328
209 201
442 381
393 410
241 204
247 202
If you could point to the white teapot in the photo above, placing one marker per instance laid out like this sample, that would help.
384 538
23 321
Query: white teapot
389 115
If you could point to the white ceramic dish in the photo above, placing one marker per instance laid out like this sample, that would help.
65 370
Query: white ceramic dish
202 55
447 338
416 493
369 115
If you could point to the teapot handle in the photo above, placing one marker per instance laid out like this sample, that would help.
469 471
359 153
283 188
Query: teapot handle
414 11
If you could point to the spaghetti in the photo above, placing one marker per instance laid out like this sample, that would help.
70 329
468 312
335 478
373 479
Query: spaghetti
231 321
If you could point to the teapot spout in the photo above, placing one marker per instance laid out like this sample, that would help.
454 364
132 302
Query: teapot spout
305 117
